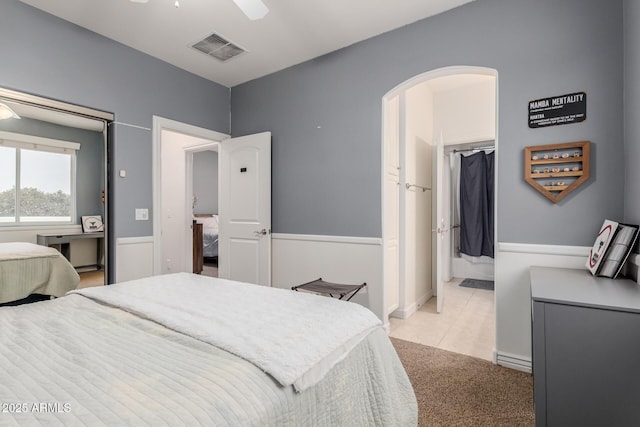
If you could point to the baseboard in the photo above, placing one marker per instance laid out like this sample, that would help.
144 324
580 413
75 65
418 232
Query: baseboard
387 327
514 361
405 313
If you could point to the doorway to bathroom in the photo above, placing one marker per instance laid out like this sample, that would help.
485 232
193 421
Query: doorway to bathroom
434 125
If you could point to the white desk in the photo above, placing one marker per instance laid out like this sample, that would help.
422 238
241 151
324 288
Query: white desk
63 242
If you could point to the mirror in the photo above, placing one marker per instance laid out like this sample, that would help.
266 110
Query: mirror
54 193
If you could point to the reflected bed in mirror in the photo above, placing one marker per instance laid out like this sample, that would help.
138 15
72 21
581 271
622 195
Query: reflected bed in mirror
34 270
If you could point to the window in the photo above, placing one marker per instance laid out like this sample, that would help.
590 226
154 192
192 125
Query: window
37 181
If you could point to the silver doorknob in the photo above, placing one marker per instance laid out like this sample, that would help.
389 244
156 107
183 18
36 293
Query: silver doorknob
262 232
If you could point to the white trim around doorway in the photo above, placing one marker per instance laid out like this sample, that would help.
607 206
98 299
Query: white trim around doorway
398 91
160 124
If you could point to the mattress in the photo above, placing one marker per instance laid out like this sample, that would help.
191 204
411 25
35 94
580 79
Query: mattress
75 361
26 268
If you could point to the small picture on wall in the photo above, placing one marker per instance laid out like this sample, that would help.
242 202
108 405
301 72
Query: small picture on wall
92 224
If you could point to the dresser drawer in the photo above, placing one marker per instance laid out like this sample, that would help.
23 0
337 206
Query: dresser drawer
53 240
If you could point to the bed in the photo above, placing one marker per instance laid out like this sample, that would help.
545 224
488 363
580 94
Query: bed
26 268
209 234
184 349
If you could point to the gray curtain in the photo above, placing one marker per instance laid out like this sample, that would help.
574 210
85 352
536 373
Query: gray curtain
476 204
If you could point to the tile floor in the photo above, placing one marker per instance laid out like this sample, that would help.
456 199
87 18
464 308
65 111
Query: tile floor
466 324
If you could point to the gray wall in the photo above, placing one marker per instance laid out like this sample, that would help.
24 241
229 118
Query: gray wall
632 109
44 55
89 159
205 182
327 180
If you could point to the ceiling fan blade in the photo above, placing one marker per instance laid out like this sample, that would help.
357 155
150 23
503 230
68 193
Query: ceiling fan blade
254 9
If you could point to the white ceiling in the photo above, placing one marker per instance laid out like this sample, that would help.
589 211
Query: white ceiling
292 32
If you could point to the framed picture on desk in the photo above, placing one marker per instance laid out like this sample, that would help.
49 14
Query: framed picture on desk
92 224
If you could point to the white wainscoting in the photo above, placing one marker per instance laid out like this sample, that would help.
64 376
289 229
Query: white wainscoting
134 258
513 295
301 258
405 313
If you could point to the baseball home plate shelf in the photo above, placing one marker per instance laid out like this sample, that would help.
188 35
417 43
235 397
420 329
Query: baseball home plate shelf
556 170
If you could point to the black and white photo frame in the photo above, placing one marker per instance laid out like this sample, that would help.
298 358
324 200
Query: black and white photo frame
92 224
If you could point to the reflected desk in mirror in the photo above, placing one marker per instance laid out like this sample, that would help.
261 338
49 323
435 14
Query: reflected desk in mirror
62 241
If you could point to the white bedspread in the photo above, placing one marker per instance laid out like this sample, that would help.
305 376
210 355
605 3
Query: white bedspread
22 250
26 268
94 365
295 337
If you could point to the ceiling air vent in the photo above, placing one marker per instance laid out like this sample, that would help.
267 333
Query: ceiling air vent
218 47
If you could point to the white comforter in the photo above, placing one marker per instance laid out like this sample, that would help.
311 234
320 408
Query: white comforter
26 268
23 250
294 337
92 364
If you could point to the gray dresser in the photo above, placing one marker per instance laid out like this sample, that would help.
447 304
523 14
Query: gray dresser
586 349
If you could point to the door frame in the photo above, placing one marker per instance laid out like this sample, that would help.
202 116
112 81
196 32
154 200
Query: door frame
160 124
398 91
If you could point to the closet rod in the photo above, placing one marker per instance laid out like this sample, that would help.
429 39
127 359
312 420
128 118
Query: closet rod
417 186
490 147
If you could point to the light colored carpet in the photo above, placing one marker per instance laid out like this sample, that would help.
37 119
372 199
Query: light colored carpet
457 390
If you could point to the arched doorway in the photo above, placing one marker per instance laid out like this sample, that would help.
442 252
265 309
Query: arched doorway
449 106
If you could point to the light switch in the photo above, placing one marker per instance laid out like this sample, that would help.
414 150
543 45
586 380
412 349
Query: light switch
142 214
123 173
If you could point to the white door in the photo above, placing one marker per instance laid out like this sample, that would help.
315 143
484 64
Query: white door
441 226
391 206
244 240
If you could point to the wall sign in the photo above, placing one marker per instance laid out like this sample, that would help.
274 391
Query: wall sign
558 110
